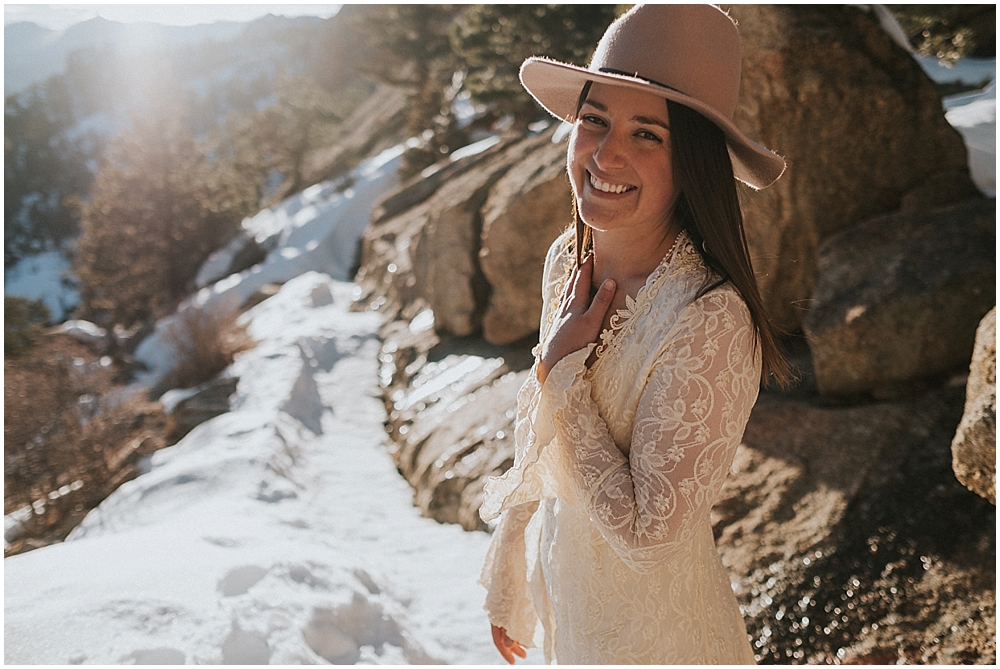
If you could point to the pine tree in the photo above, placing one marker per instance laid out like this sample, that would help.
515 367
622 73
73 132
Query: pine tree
412 49
276 141
493 40
43 168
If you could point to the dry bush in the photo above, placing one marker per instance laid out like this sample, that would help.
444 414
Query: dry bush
204 342
23 320
67 443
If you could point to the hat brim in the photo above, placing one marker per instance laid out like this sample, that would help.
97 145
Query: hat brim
556 86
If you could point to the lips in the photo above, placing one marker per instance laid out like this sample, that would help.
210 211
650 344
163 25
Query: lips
607 187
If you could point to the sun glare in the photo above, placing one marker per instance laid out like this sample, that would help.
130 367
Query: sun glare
62 16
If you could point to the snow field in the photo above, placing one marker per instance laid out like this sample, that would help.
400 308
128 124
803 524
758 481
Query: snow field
280 532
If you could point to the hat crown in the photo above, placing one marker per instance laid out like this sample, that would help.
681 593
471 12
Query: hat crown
694 49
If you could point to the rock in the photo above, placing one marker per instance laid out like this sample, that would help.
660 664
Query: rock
527 209
430 252
849 539
452 417
241 252
860 125
267 291
416 190
974 449
898 299
195 406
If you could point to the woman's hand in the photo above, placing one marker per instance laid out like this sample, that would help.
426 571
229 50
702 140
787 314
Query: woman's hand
507 646
579 320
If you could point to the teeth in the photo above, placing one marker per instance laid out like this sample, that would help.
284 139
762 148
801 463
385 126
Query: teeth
606 187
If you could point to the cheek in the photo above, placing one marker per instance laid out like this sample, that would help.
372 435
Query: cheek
663 176
574 164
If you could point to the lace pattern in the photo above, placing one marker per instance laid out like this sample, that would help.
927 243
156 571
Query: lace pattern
618 564
622 321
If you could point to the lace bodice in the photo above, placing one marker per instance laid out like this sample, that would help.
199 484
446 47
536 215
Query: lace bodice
604 553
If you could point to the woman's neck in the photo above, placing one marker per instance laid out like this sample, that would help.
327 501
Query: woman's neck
628 257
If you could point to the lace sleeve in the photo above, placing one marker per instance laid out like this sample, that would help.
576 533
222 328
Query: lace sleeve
505 576
688 424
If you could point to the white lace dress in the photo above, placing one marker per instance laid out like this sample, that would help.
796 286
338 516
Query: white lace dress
604 553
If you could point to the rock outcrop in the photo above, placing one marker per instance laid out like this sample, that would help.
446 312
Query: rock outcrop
850 539
974 449
430 252
527 209
898 299
200 404
860 125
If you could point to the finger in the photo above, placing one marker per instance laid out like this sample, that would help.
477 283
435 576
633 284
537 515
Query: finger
500 641
602 300
519 650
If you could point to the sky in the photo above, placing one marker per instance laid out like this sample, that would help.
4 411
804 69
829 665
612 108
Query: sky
62 16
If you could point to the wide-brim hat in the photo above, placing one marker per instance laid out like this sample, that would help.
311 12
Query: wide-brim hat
690 54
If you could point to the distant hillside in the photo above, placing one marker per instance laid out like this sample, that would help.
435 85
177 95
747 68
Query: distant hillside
33 53
278 81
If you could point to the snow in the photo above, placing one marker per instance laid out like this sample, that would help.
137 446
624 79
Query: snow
317 229
280 532
975 117
83 331
43 277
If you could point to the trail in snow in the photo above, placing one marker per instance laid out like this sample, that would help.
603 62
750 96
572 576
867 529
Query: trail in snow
280 532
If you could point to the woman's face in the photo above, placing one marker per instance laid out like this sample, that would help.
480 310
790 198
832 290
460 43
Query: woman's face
619 160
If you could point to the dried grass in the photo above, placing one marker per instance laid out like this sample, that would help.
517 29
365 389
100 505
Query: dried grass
204 342
67 442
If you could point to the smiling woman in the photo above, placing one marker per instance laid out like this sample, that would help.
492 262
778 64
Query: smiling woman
652 345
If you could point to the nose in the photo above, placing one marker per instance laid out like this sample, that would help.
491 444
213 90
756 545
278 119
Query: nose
610 153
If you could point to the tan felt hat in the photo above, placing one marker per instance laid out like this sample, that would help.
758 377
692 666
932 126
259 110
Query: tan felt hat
686 53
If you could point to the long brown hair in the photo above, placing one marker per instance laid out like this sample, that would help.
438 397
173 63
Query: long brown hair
708 209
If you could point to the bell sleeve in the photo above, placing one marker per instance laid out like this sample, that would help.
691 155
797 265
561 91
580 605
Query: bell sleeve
505 576
533 476
689 421
514 496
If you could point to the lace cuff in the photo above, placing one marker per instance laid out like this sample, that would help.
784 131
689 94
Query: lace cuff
536 472
505 577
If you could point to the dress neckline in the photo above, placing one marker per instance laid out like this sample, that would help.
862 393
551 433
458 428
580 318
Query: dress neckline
623 320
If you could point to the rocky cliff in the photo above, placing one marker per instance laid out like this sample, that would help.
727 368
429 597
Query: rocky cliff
846 531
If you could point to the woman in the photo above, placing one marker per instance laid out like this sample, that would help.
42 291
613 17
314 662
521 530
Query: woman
641 389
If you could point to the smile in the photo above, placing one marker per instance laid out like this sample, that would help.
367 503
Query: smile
606 187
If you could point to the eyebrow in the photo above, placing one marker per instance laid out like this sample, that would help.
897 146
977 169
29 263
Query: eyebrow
641 119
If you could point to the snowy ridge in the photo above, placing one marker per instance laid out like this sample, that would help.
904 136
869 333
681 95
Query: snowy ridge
315 230
279 532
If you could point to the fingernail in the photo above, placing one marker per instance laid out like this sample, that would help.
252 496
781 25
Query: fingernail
609 284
